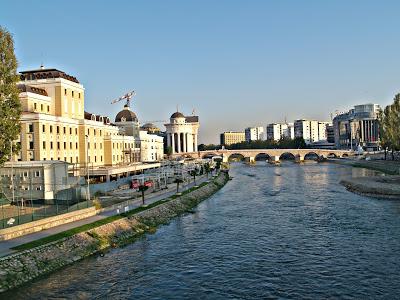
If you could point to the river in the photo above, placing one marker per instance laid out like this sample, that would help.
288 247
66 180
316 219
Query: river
289 231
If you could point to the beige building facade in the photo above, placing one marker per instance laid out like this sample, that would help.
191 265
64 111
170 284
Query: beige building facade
55 126
232 137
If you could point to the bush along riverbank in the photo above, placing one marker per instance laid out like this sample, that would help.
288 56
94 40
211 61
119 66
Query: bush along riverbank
45 256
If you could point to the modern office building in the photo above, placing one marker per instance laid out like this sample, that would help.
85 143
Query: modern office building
254 134
232 137
357 127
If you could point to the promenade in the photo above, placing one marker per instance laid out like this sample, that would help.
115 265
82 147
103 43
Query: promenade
125 206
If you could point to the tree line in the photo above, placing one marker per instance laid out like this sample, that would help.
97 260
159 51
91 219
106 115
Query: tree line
284 143
389 126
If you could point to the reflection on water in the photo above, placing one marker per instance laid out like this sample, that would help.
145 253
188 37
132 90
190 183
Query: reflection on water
287 232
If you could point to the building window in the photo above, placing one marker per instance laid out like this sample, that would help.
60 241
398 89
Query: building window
65 145
95 159
44 128
41 107
101 146
100 132
94 131
51 129
30 145
39 188
48 108
88 145
76 131
76 145
37 173
70 130
65 92
44 145
64 130
51 147
58 147
79 95
94 145
34 106
30 128
70 146
72 94
58 129
101 158
76 159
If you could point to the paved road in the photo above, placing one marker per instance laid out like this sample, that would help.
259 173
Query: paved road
106 212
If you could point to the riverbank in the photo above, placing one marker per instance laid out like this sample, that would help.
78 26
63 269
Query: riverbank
36 261
387 187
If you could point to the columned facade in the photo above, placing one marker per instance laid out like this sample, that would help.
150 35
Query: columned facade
182 133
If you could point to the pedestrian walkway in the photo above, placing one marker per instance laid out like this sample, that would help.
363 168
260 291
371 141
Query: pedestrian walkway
5 246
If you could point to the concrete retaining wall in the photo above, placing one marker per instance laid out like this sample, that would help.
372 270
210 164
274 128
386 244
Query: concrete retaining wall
24 229
26 265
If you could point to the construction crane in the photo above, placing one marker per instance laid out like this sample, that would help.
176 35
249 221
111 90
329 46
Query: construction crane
127 96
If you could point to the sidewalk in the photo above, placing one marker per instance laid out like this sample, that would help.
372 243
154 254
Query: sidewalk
106 212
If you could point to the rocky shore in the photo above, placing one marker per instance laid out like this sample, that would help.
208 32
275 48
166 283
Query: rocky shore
27 265
387 186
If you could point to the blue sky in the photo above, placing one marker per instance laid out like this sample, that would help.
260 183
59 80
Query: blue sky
237 63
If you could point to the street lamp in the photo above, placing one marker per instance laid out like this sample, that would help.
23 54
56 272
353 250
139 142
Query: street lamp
87 168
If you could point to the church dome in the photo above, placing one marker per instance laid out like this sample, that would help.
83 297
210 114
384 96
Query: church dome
176 115
126 115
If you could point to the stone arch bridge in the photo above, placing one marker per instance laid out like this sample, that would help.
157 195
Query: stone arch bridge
273 155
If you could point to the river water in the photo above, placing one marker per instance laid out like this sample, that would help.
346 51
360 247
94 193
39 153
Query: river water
290 231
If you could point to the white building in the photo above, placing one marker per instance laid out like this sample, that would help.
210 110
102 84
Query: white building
254 134
182 133
34 180
288 131
277 131
151 147
311 130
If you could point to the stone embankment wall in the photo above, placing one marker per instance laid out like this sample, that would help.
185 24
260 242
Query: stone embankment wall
24 266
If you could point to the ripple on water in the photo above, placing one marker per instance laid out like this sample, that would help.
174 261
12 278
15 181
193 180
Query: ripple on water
288 232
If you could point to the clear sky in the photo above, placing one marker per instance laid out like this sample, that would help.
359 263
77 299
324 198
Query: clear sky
237 63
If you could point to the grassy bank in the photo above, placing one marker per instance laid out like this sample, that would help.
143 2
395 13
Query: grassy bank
87 227
384 166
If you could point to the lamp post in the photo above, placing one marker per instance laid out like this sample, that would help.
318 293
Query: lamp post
12 173
87 169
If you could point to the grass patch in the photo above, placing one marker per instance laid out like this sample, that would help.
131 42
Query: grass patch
67 233
86 227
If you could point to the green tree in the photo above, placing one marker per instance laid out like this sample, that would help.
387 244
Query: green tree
178 181
193 173
389 126
10 105
207 168
143 188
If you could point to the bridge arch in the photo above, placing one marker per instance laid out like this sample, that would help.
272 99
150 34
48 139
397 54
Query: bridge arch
287 156
344 155
311 156
262 156
332 155
236 157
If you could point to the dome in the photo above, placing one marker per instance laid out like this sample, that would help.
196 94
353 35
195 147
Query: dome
126 115
177 115
149 125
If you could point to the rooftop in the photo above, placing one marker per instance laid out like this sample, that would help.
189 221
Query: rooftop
45 74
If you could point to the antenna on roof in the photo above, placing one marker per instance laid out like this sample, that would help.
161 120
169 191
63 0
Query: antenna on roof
193 112
177 108
41 66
